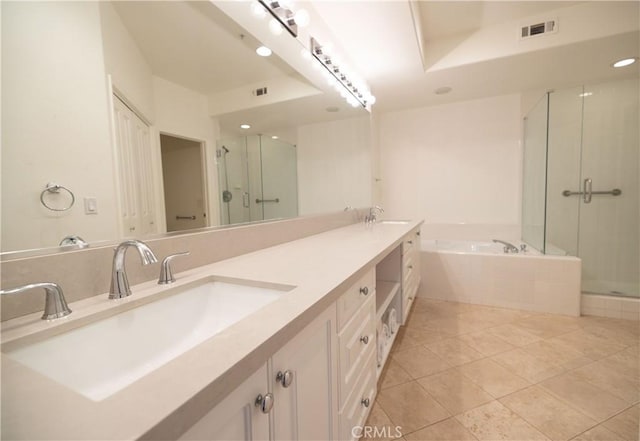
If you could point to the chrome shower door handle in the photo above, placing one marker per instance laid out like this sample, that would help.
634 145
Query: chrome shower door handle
586 189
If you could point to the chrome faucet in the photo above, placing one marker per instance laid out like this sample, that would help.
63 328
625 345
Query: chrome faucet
55 306
508 247
119 283
372 217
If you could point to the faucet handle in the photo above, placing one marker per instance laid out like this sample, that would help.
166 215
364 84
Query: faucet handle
166 275
55 304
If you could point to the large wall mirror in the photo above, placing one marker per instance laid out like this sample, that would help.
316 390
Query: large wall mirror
122 119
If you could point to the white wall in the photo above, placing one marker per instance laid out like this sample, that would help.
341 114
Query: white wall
129 70
334 165
55 121
454 164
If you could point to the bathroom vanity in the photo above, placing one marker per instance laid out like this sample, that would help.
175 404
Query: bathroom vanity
302 365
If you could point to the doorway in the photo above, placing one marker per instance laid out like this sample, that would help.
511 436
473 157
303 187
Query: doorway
183 182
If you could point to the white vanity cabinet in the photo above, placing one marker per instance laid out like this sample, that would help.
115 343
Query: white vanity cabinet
298 404
236 417
302 377
410 271
357 342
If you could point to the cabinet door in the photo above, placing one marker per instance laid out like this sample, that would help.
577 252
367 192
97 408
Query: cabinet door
236 417
305 405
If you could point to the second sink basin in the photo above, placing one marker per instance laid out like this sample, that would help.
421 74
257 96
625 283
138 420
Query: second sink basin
104 357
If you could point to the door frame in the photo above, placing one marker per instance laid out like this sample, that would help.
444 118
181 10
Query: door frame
203 169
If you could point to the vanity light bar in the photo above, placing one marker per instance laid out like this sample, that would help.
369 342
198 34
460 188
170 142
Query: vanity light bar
361 95
282 14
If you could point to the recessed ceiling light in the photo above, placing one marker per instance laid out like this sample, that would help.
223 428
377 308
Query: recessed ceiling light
625 62
264 51
332 109
245 126
274 137
442 90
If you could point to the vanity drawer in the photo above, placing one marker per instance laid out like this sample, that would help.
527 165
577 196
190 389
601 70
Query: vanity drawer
357 408
410 243
409 292
357 342
355 297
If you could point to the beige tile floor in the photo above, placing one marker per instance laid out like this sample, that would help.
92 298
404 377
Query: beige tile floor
469 372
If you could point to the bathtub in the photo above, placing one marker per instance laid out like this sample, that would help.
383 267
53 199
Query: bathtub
475 247
481 273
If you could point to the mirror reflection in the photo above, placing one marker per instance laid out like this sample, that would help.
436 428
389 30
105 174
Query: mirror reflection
130 106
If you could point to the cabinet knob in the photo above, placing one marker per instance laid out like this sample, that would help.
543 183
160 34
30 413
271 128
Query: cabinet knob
410 266
364 290
364 339
265 403
284 378
365 402
418 233
410 242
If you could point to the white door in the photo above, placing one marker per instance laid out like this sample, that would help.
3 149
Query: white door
236 417
305 395
135 172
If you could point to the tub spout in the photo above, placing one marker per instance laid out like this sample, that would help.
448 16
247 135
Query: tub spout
508 247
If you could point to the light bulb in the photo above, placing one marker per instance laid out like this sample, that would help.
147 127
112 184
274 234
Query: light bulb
372 99
305 53
257 10
264 51
302 18
625 62
275 27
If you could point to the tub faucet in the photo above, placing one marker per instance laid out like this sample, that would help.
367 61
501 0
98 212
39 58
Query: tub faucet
508 247
119 283
372 217
55 306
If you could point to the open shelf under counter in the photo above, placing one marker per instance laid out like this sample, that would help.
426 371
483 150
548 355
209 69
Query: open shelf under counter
385 292
386 350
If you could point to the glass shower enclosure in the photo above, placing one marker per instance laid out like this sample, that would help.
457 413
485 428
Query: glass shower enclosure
257 179
580 182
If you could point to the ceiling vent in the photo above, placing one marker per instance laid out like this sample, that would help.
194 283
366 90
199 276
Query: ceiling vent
542 28
259 91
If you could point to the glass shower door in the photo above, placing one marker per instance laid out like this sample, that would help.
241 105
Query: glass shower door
608 238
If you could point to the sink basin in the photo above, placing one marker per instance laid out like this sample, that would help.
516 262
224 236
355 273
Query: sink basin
394 222
104 357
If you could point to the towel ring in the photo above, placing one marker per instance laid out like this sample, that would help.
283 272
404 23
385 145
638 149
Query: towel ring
55 188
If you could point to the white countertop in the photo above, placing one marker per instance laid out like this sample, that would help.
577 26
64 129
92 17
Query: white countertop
165 402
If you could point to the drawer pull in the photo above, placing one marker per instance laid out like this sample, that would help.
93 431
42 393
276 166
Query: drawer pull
364 339
285 378
265 403
365 402
364 290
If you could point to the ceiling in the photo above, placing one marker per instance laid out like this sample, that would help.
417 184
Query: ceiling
474 46
194 44
405 50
